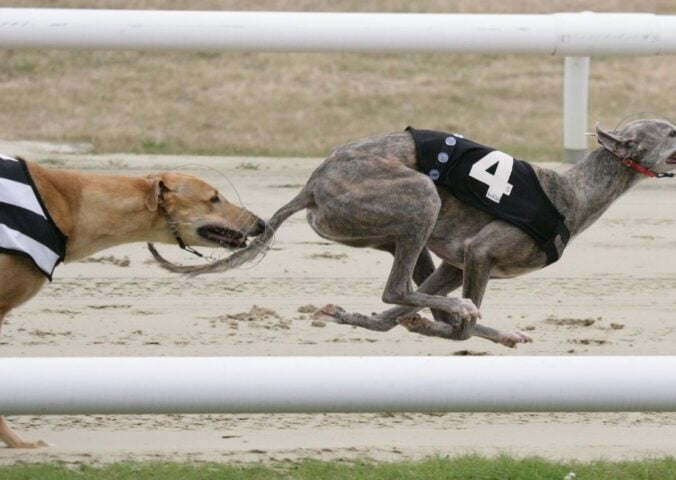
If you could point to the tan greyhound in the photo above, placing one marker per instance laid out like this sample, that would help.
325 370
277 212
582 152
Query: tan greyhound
381 192
95 211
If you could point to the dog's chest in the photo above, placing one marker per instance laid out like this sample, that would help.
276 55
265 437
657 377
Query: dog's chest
494 182
25 225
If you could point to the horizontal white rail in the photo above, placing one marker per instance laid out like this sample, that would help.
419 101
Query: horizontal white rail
137 385
564 34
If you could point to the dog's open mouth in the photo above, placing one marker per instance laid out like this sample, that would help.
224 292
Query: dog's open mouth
223 236
672 158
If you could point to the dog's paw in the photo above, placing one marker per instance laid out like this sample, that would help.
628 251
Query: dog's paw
512 339
469 311
329 313
32 444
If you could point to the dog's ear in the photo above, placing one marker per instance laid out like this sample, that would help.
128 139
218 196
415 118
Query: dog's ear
152 199
613 142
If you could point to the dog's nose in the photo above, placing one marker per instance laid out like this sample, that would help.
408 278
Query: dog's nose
258 228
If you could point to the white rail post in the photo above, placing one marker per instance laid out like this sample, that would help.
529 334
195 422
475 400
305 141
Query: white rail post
575 95
576 36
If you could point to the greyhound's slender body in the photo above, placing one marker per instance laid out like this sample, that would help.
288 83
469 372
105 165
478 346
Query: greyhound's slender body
100 211
369 193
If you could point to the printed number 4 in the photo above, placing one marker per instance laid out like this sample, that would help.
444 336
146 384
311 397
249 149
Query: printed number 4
498 182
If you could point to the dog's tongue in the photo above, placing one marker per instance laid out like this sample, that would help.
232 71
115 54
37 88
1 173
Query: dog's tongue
237 242
230 238
225 237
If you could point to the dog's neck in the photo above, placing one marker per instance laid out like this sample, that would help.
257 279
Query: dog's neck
100 211
596 182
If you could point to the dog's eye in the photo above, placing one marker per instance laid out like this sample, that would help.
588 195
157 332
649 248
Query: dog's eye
215 199
672 133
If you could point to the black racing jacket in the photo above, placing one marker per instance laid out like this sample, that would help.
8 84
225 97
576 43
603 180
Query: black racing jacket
494 182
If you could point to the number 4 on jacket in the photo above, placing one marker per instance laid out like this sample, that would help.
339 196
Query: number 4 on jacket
498 182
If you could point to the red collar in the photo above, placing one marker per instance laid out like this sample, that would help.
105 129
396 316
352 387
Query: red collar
645 171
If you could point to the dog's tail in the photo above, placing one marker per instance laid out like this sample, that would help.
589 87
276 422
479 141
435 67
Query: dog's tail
257 248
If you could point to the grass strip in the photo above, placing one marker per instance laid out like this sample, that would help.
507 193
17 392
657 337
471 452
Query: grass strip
470 467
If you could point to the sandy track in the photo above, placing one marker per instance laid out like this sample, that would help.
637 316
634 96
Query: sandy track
612 293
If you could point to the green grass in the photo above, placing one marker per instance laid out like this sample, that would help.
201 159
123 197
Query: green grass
465 468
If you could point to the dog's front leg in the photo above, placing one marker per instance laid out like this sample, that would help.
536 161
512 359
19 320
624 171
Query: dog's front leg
476 269
496 244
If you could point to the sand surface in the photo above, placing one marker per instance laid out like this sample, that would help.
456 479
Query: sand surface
613 293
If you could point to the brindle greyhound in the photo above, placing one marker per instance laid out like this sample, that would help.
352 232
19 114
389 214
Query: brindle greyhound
369 193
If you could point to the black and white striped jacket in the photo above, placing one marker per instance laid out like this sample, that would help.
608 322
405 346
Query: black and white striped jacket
25 225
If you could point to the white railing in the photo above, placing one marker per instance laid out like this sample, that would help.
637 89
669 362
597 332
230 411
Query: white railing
113 385
576 36
563 34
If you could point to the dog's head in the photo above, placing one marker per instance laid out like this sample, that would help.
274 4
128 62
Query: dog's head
202 215
650 143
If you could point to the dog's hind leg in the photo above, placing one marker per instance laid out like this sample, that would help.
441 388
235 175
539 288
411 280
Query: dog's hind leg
398 290
367 200
443 280
424 267
18 283
13 440
7 435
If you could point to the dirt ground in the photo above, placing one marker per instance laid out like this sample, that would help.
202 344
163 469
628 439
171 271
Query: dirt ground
613 293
